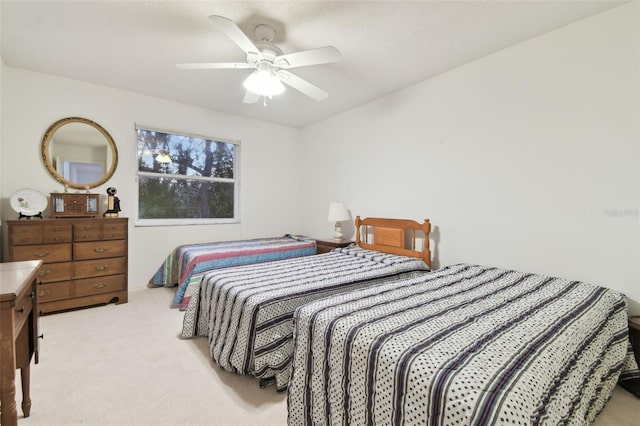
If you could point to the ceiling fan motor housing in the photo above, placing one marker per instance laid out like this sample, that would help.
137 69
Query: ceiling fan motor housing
264 36
269 51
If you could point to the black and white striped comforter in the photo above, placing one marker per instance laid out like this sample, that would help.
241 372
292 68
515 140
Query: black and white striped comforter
246 312
465 345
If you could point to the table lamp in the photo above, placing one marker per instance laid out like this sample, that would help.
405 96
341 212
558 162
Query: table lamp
338 213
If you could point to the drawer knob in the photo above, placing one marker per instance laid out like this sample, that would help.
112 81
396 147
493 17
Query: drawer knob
43 273
99 250
41 336
57 238
101 267
100 285
41 253
21 310
43 292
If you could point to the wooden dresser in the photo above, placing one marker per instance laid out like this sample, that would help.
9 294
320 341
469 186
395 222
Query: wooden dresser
18 334
84 260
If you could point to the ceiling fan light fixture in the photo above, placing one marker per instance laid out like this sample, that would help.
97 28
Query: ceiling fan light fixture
264 82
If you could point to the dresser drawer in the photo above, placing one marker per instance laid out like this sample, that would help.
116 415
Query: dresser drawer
100 267
46 252
114 231
99 285
86 231
54 291
25 234
54 233
50 272
24 305
107 229
99 249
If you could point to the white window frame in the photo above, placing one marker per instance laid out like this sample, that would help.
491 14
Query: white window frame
189 221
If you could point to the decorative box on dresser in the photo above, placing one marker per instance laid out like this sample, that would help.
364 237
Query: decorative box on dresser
84 260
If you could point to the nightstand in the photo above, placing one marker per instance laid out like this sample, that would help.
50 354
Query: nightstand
325 246
634 335
633 385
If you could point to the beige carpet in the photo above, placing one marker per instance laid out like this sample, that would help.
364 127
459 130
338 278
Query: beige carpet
125 365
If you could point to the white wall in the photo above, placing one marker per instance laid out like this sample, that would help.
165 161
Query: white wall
269 168
524 159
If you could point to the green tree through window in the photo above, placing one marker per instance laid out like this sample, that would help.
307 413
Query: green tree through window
185 177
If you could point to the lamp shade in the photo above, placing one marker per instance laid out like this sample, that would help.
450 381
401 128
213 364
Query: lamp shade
338 212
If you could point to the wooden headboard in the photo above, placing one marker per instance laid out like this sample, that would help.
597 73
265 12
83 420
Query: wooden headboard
395 236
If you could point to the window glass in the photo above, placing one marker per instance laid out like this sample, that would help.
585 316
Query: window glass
182 178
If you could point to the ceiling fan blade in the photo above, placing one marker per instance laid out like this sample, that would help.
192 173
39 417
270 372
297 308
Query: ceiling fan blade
302 86
213 65
321 55
250 98
236 35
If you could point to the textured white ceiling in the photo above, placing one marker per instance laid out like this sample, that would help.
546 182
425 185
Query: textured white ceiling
385 45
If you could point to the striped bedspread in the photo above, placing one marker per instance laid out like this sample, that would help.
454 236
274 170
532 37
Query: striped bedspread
465 345
246 312
186 264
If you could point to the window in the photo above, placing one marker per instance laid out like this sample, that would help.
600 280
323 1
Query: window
186 179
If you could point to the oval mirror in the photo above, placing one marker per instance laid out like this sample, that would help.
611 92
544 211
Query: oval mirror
79 153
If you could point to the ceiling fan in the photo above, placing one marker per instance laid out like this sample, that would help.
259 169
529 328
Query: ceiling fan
269 62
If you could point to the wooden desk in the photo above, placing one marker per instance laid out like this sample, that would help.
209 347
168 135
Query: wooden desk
18 334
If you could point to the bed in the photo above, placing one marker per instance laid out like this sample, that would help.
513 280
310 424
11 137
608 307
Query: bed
463 345
187 263
246 312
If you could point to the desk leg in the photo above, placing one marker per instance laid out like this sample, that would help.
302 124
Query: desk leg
25 374
8 413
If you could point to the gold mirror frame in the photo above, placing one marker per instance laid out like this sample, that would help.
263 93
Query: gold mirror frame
48 161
